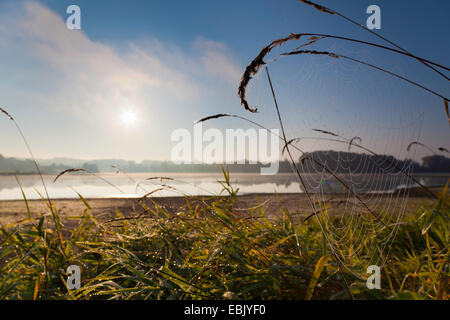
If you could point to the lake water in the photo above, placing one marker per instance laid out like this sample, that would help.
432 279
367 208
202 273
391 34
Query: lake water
118 185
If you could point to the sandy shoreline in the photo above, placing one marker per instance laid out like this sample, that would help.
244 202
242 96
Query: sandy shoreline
15 210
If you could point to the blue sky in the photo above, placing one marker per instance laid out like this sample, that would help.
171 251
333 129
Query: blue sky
173 62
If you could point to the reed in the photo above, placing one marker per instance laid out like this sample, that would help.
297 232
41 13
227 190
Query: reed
212 249
206 251
392 43
55 217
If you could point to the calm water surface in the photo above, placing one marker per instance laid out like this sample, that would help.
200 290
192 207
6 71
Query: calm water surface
135 184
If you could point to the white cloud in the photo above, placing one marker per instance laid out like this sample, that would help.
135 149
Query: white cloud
73 72
216 61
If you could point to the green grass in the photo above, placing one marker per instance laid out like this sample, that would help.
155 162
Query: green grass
210 251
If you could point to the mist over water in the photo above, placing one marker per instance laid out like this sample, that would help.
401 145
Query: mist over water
135 184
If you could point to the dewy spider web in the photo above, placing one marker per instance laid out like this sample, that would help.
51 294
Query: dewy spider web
363 234
353 234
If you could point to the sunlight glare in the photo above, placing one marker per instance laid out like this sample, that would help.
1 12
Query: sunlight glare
128 118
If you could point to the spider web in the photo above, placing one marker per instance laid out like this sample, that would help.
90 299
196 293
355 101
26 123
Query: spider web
334 105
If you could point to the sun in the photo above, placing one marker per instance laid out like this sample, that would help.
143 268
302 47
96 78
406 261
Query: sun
128 118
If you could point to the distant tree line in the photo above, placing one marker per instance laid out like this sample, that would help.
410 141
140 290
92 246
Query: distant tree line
27 166
346 162
336 161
